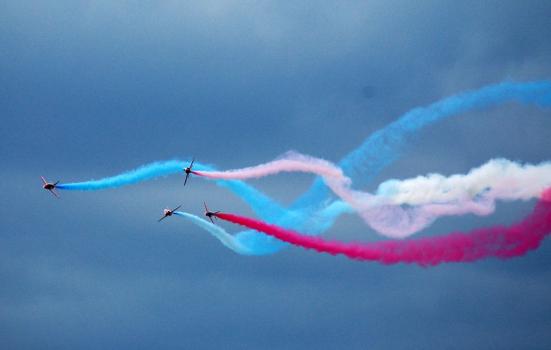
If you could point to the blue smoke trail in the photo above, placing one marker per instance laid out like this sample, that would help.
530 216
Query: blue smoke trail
218 232
261 204
143 173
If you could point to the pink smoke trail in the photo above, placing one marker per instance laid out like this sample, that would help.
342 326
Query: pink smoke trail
289 162
498 241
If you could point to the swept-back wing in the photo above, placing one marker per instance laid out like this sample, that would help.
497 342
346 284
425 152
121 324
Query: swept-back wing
185 181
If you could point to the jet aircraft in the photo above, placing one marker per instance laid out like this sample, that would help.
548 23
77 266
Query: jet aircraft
188 170
50 186
168 212
209 213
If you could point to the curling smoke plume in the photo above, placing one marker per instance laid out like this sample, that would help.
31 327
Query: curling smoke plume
385 146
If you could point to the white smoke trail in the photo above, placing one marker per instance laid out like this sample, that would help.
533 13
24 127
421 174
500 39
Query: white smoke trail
426 197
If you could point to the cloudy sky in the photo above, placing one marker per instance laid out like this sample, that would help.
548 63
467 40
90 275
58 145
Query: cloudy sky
90 89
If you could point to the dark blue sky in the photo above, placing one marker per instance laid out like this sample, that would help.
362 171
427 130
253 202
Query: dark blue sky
90 89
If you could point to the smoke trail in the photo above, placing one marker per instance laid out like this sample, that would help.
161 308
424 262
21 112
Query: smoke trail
498 178
289 162
498 241
143 173
432 196
218 232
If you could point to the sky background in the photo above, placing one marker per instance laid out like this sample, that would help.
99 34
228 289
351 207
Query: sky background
90 89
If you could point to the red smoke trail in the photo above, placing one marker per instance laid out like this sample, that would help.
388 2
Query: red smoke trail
498 241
